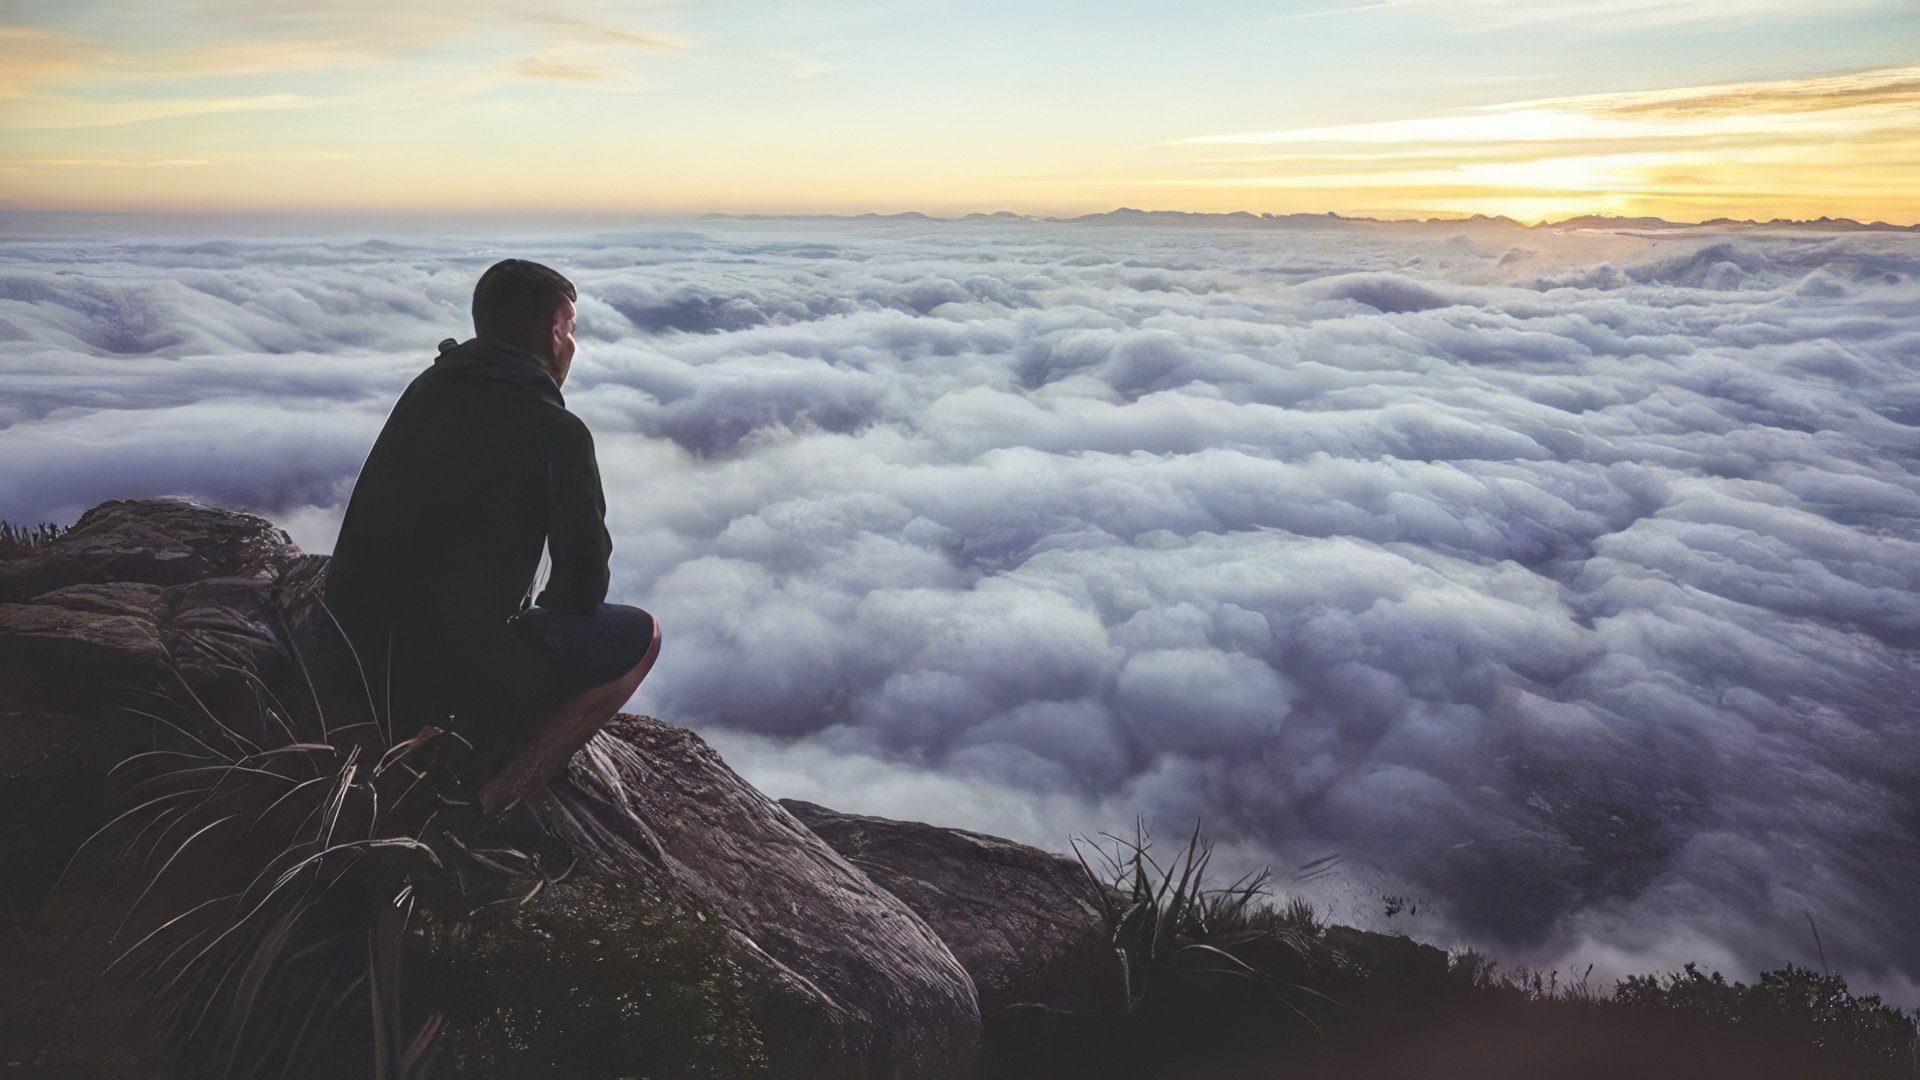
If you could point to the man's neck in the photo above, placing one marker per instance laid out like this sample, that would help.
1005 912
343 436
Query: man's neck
545 362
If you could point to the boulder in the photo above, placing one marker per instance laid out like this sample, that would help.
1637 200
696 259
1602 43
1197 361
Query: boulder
53 655
154 541
1022 921
132 598
842 956
84 639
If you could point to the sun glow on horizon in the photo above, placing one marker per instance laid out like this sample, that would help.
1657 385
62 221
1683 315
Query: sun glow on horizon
1848 142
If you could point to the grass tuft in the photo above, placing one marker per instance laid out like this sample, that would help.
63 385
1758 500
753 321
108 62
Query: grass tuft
20 541
318 895
280 860
1170 927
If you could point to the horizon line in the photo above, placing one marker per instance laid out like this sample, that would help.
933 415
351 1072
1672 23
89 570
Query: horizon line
1589 219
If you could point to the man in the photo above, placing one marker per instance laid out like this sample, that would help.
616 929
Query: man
478 466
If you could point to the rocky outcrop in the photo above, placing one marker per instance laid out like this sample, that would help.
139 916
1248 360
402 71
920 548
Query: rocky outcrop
220 609
832 942
1023 921
149 541
88 632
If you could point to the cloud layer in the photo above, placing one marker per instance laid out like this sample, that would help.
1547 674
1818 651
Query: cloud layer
1563 583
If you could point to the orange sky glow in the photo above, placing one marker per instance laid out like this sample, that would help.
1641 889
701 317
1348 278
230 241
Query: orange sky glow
1689 110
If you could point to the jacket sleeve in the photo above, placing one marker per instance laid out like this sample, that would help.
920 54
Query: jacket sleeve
577 536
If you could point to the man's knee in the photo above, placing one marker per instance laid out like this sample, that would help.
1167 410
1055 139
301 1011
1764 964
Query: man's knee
651 653
632 676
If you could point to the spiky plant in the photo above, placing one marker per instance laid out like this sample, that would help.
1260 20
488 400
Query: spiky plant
277 869
1167 926
1298 914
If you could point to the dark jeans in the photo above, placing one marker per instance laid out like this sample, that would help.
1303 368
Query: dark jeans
585 650
491 689
552 658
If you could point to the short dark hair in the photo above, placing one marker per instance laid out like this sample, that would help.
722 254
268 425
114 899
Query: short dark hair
515 300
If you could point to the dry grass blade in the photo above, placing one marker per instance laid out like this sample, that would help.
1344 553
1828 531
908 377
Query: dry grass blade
145 754
109 827
212 717
400 750
360 669
181 730
165 866
131 950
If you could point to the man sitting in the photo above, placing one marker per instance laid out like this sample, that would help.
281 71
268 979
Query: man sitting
478 466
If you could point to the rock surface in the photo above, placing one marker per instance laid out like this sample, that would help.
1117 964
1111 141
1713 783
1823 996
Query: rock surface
839 945
152 541
85 636
1023 921
161 595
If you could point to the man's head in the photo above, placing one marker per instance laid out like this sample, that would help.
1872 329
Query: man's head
526 304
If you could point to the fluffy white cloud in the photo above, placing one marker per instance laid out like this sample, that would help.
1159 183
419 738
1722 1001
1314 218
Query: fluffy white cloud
1566 583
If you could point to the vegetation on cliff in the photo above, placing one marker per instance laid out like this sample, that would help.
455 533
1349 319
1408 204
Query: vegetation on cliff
1232 981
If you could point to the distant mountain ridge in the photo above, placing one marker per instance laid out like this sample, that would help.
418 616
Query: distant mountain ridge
1127 215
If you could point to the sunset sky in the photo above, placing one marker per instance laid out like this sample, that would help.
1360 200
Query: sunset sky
1689 109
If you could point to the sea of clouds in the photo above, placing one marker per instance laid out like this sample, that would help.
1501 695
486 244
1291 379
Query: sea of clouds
1562 585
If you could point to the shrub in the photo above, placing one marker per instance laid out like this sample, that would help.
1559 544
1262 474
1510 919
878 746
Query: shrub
1794 1004
594 980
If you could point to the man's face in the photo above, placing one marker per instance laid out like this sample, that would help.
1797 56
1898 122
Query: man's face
561 346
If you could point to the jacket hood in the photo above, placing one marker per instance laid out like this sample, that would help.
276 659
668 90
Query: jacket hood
491 359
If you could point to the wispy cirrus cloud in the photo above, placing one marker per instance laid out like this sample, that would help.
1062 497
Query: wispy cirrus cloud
573 66
1487 15
15 164
381 27
1684 112
800 65
1846 136
1889 90
93 72
31 55
65 111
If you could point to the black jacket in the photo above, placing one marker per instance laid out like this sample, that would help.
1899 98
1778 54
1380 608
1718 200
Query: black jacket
479 464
